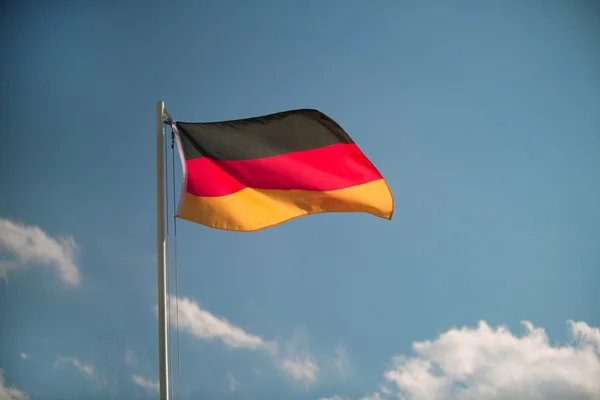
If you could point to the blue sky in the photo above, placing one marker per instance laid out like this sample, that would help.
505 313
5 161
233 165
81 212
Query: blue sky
482 116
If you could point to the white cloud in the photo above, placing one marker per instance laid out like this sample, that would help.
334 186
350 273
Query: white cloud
232 382
29 244
10 393
298 364
206 326
484 363
87 369
585 334
129 356
374 396
24 356
302 369
341 358
385 390
147 384
4 267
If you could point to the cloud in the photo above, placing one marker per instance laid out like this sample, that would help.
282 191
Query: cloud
298 364
341 359
232 382
206 326
486 363
585 334
24 356
302 369
147 384
4 267
483 363
10 393
129 356
374 396
385 390
87 369
29 244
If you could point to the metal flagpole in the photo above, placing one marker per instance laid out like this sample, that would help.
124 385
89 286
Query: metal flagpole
161 256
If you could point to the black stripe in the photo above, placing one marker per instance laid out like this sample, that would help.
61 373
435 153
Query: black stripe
259 137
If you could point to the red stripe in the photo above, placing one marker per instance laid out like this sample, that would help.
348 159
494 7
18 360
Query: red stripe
328 168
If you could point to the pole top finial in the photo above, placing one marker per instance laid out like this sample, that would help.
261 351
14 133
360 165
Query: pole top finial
166 117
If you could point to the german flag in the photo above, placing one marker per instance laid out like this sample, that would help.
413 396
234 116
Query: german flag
250 174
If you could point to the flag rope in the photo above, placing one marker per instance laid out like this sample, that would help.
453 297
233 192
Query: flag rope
176 263
168 267
171 259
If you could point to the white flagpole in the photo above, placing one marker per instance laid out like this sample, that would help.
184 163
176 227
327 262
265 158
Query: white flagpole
161 256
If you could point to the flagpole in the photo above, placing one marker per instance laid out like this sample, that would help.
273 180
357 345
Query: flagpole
161 256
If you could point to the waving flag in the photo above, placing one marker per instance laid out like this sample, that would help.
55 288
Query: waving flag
250 174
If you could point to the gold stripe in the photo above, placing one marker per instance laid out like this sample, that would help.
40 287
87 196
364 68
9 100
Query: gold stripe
254 209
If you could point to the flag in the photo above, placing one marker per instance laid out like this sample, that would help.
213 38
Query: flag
254 173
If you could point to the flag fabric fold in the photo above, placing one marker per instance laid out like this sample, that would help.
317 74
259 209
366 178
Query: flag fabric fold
254 173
